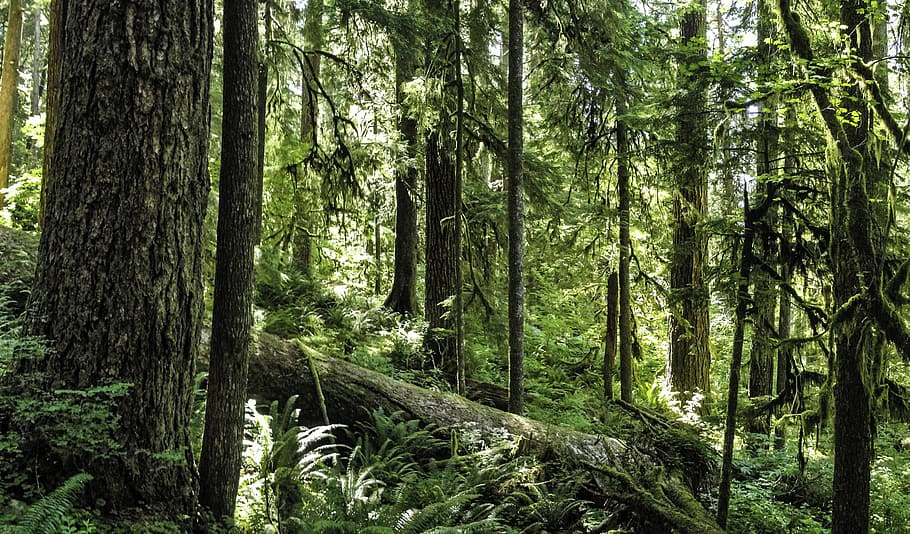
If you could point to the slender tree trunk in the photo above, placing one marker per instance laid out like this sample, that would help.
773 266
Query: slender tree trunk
689 359
232 315
625 250
742 303
118 288
460 364
9 81
55 40
403 296
37 78
516 209
309 125
612 330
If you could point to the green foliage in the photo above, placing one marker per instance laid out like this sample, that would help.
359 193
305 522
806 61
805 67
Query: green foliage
48 514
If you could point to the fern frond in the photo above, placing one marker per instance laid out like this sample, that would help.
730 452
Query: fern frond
45 515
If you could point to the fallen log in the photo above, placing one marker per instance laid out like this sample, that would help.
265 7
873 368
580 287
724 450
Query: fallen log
656 495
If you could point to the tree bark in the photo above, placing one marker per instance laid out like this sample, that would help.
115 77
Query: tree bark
516 208
9 80
56 24
118 289
623 178
232 315
441 247
280 370
403 295
612 330
689 358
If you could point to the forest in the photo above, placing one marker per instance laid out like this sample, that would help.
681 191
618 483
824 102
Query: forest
455 266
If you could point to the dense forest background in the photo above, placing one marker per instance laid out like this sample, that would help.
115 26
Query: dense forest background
437 266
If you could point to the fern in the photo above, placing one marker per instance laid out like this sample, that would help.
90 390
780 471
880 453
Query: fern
47 514
439 513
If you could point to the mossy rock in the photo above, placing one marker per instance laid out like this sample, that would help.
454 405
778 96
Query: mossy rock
18 253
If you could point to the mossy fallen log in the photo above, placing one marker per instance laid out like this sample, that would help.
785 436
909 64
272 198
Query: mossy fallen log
621 474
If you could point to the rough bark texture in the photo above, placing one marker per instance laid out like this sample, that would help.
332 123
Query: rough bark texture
625 251
403 295
689 359
9 81
56 24
764 329
612 330
665 505
516 209
118 288
222 443
441 247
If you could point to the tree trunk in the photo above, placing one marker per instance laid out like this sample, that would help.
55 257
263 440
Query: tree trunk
623 178
9 81
610 339
762 355
689 359
37 79
663 503
232 315
516 209
55 41
118 289
403 295
742 303
441 246
309 126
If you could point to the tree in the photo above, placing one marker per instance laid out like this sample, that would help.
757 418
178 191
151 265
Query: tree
118 289
441 246
56 24
623 180
238 234
9 80
516 210
309 123
403 295
689 358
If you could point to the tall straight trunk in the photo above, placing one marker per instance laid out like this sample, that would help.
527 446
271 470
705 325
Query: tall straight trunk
689 359
37 78
516 209
403 295
625 248
55 40
736 358
309 124
762 355
118 289
441 197
609 365
855 255
232 314
460 364
9 81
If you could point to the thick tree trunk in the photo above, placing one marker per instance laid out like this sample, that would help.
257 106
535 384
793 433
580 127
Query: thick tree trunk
441 195
9 81
689 359
403 295
118 289
280 370
516 209
232 315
